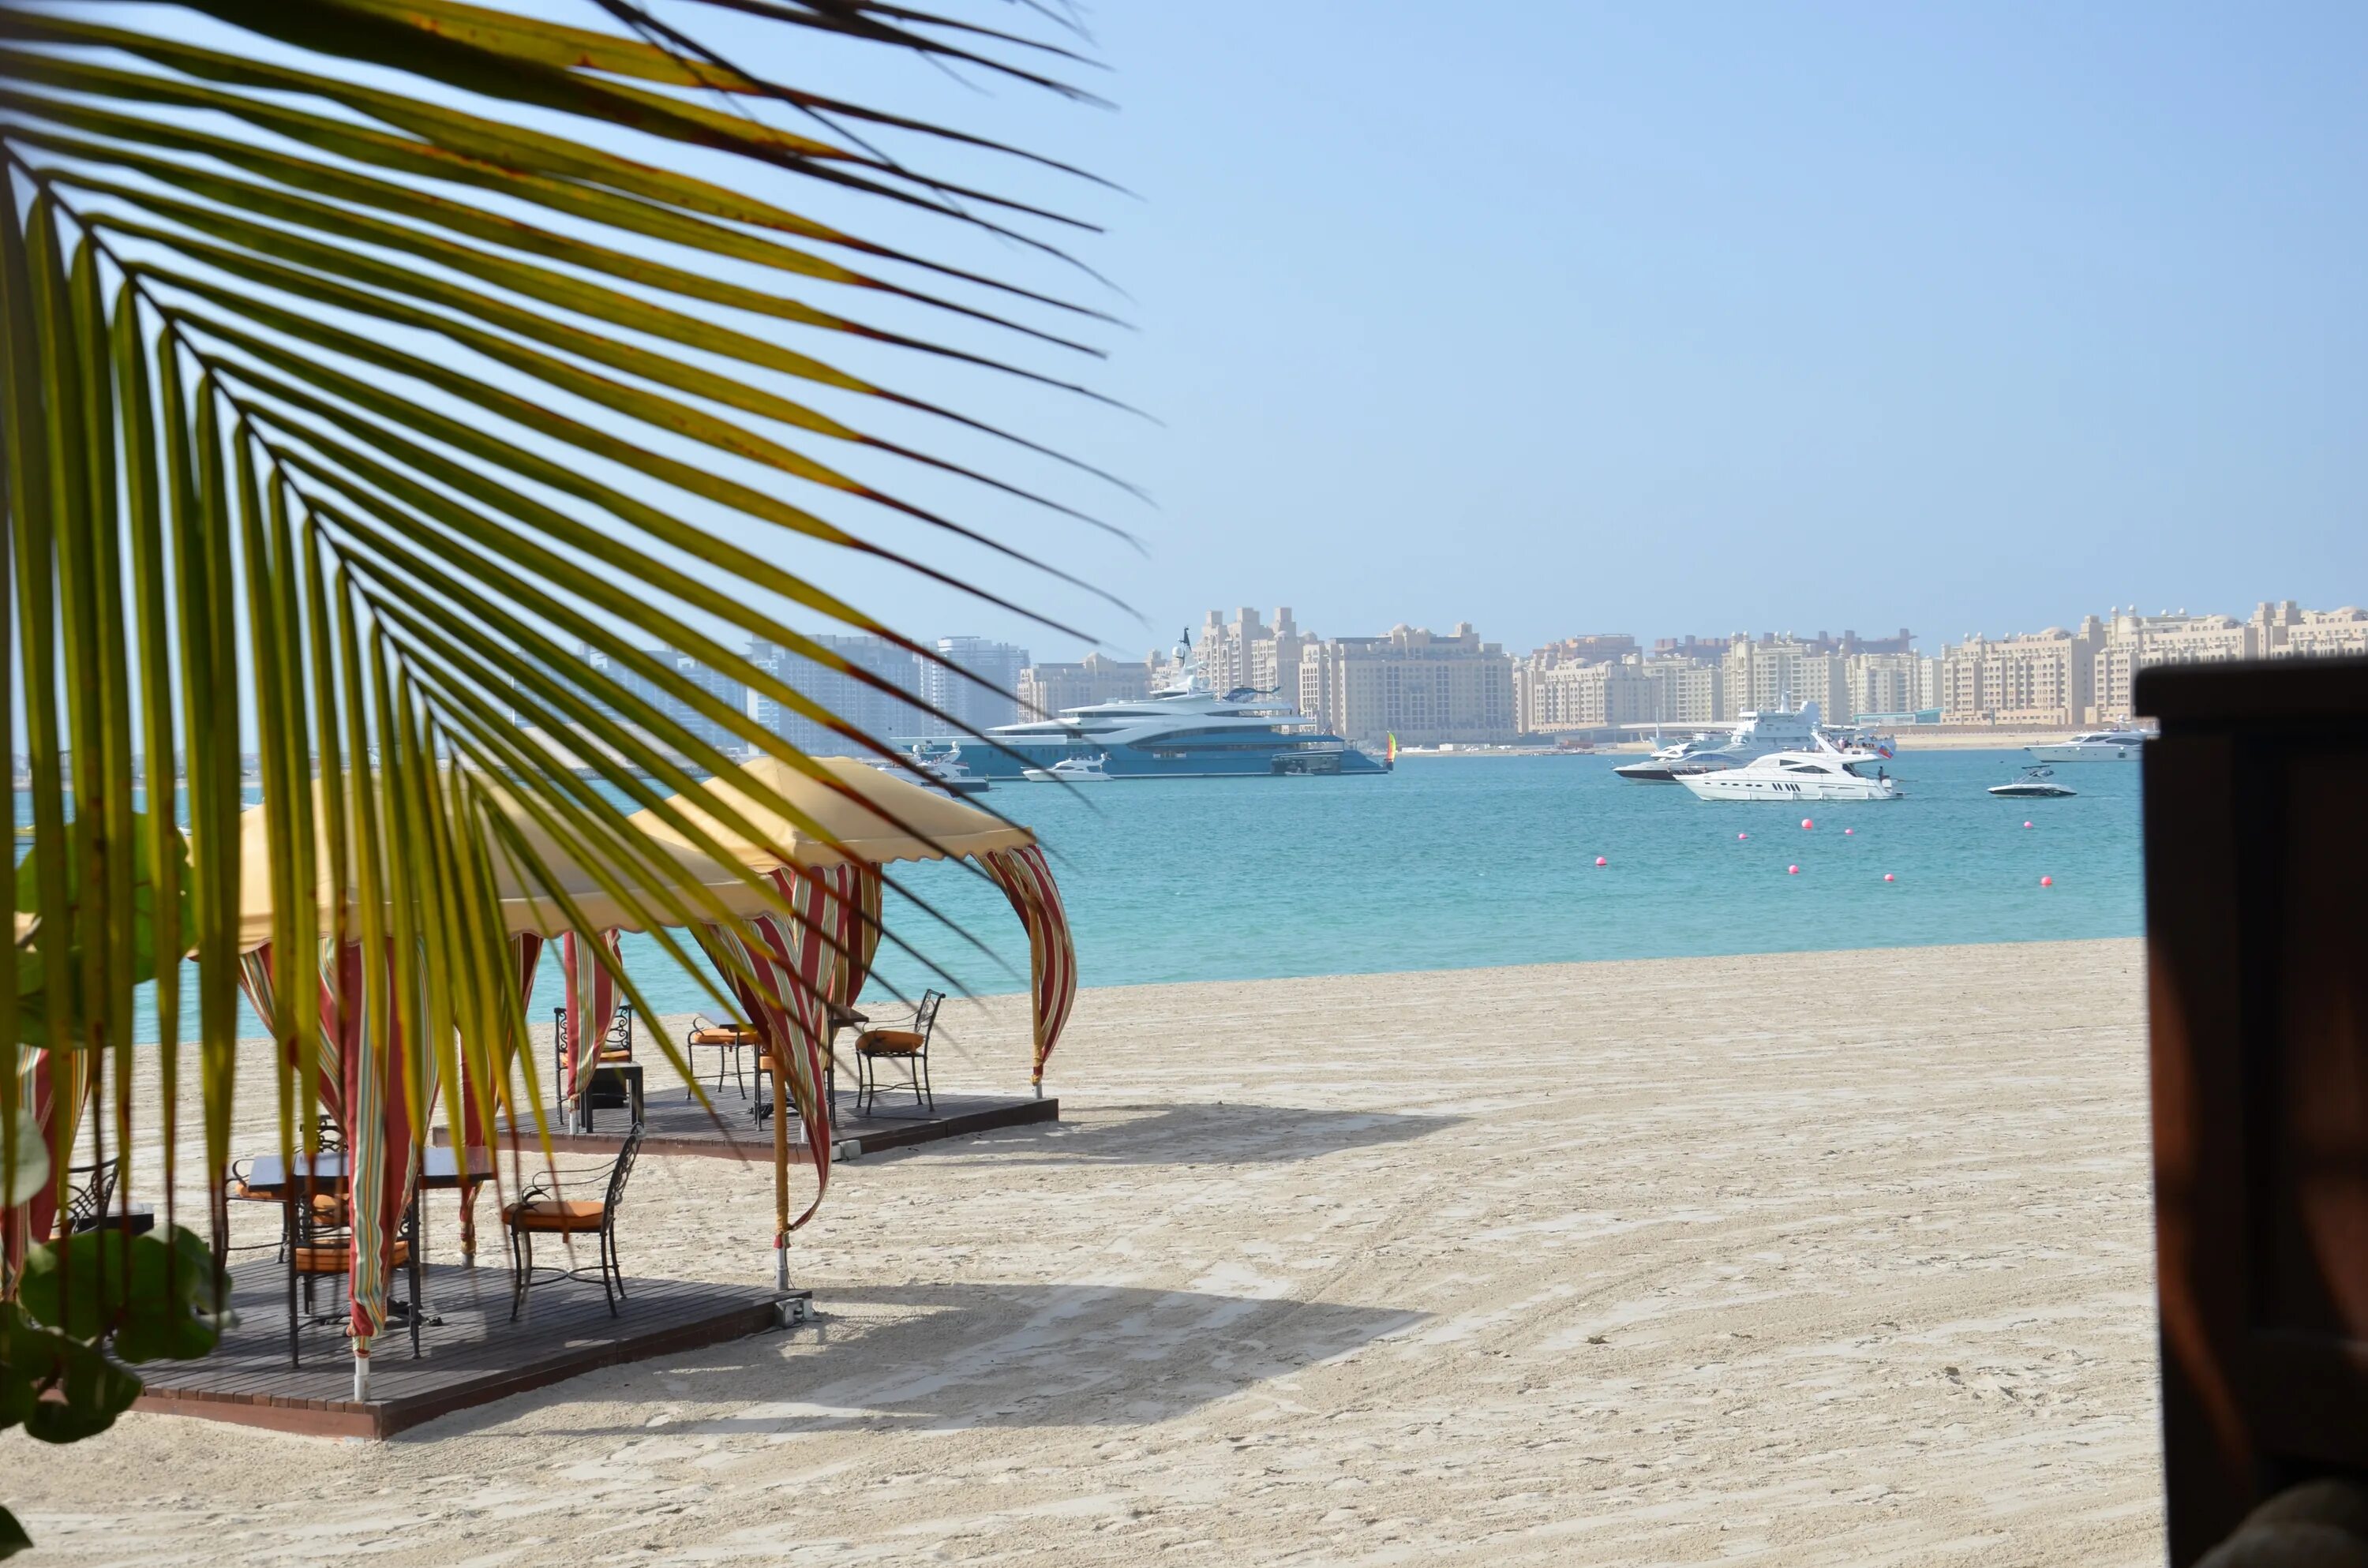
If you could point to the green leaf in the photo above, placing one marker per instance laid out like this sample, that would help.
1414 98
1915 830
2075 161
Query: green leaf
60 1388
13 1538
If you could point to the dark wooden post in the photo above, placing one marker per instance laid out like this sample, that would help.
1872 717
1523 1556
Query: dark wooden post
2257 947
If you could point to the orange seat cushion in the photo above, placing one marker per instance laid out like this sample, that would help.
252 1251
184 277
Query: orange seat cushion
333 1257
554 1214
609 1055
889 1042
726 1035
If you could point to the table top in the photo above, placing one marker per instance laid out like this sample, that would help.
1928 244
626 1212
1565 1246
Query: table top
439 1168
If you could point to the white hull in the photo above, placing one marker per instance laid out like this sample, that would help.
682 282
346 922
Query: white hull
2083 754
1792 778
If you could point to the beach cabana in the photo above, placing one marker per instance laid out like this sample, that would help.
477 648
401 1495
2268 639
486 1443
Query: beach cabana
826 858
359 1081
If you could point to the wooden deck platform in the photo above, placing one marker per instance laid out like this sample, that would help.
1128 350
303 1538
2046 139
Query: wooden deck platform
676 1125
474 1356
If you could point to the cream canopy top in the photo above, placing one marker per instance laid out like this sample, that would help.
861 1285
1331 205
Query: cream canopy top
890 819
526 906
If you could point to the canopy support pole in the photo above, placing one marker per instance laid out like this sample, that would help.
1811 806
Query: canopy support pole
780 1176
361 1375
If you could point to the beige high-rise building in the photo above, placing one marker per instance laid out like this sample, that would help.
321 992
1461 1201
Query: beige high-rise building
1245 651
1557 690
2285 631
1890 683
1426 689
1047 689
2134 642
2041 678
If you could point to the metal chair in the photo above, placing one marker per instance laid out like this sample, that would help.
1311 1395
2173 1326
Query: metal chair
605 1081
908 1048
92 1192
542 1209
728 1039
319 1245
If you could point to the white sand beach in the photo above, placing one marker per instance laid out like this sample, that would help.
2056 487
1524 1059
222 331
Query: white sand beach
1820 1258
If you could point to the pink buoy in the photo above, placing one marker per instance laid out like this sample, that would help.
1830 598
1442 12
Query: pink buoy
1791 870
1741 837
1886 876
1847 831
2026 825
1806 823
2047 881
1601 861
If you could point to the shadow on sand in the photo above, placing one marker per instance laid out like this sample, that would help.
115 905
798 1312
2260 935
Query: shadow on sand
1189 1134
946 1358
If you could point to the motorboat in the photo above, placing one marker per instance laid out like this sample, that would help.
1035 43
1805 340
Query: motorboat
1071 770
1797 776
937 771
1185 728
2036 783
1757 733
2094 746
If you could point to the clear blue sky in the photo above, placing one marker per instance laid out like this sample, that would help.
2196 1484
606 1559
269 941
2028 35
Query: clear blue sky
1572 317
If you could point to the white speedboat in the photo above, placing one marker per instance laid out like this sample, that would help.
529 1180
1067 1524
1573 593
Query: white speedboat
2095 745
1071 770
1757 733
1796 776
939 770
2034 784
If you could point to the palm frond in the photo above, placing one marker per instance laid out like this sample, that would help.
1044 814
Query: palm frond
315 443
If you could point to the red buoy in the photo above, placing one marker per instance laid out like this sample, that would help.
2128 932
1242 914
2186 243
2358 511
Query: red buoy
1847 831
1601 861
2047 881
2026 825
1741 837
1791 870
1806 823
1886 876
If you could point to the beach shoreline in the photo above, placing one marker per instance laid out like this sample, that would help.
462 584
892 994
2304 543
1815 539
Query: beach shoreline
1803 1258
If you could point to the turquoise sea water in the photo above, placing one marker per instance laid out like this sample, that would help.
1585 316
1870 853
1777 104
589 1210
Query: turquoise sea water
1457 862
1461 862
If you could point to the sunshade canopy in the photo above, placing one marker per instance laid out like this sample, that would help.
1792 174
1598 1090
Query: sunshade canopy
870 817
529 904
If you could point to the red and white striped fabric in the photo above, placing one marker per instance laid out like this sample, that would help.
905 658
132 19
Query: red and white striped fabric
591 1004
257 979
1027 881
378 1130
785 982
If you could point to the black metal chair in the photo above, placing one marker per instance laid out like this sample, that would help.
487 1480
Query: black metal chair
908 1048
92 1192
543 1209
319 1245
609 1079
728 1041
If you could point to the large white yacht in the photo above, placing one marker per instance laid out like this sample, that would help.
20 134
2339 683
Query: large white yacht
1184 729
2095 745
1795 776
1756 734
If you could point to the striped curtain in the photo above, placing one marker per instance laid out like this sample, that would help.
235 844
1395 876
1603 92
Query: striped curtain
526 957
378 1137
1027 883
255 977
591 1004
820 956
57 1087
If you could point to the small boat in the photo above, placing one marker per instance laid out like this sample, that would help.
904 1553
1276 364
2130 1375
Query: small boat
2034 784
1796 776
941 770
1071 770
